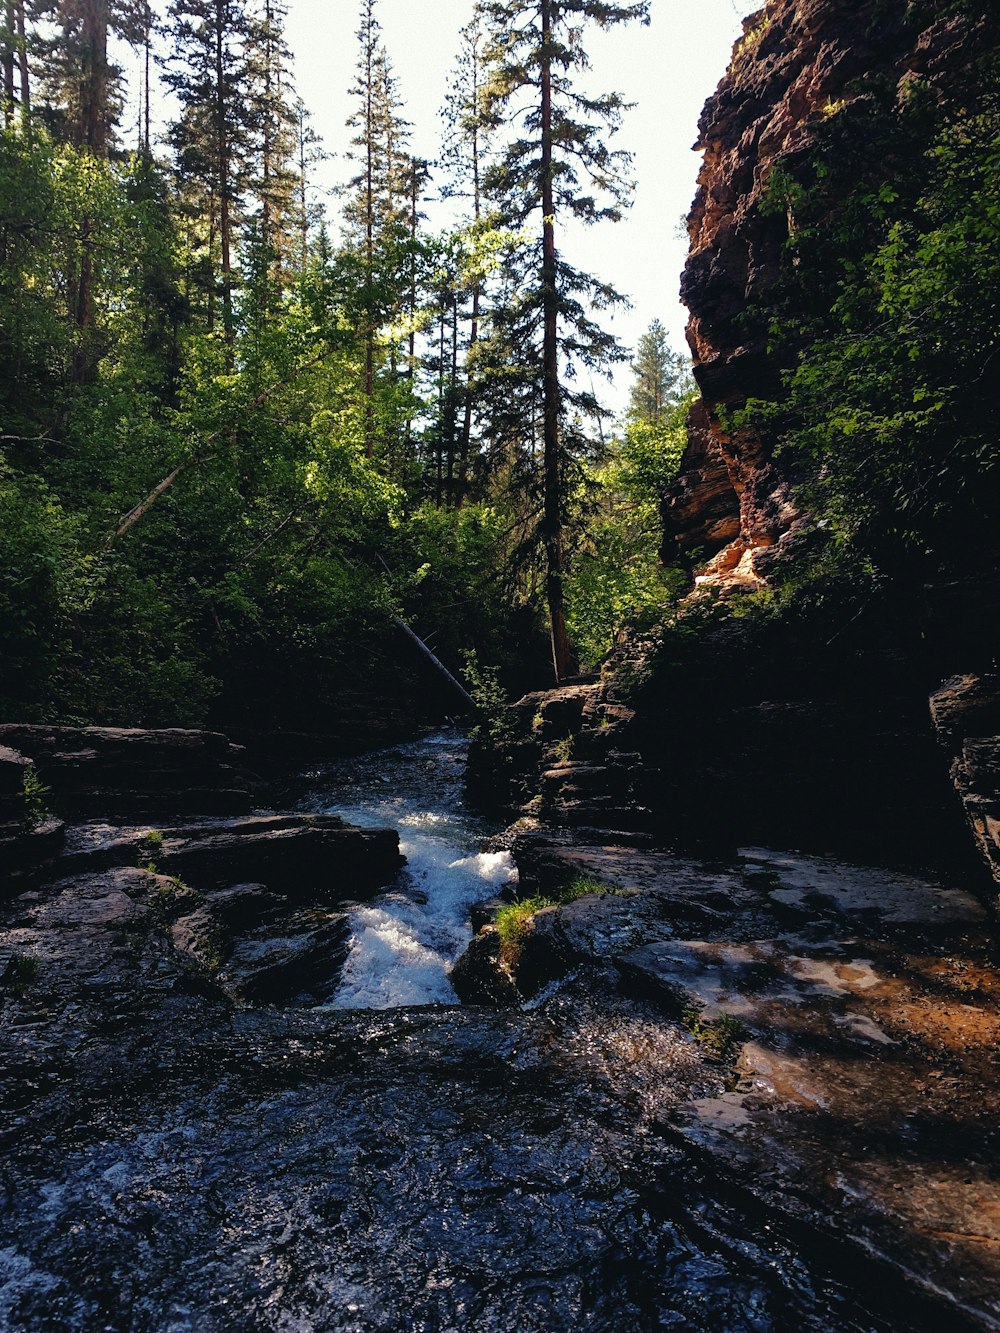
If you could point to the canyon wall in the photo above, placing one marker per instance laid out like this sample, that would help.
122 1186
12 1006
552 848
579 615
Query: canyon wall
799 63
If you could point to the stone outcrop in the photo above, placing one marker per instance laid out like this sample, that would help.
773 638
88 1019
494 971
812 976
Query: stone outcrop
797 63
857 1015
109 772
966 715
745 730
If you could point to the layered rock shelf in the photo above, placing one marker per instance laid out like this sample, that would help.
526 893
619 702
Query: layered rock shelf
855 1015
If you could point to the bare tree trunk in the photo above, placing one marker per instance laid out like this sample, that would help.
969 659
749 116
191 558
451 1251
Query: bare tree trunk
552 527
452 402
8 64
223 165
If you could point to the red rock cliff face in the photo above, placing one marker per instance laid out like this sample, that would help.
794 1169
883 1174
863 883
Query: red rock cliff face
798 62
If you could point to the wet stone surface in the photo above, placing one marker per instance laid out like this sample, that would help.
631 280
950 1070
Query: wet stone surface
424 1169
200 1130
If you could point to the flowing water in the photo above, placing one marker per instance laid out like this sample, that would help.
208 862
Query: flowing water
403 943
390 1162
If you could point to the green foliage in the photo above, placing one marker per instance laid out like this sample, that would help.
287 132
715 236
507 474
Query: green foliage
35 793
891 309
20 974
616 578
718 1037
494 728
513 921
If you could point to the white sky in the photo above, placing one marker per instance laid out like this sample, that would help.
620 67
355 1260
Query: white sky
667 69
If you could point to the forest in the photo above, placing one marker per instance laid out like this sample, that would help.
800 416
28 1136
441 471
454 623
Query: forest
242 434
245 432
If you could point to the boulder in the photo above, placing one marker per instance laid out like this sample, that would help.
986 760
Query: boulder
129 772
258 948
481 976
310 858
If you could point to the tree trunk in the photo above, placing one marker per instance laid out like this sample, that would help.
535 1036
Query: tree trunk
223 166
95 109
22 60
8 64
303 189
552 528
369 251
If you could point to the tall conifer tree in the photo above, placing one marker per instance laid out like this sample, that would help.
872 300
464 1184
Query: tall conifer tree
210 75
556 163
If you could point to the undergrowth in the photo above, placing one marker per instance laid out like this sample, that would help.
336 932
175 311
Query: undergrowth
513 921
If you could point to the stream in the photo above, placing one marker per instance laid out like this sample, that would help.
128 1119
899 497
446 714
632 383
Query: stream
389 1161
404 942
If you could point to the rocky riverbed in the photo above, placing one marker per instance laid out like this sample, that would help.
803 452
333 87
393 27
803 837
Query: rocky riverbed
758 1094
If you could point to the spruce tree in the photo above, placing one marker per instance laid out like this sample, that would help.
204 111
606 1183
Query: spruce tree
463 156
211 76
662 376
378 206
273 139
555 163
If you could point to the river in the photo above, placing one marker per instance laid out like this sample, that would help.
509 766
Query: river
403 943
388 1161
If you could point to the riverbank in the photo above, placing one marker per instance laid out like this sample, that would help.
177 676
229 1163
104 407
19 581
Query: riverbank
206 1127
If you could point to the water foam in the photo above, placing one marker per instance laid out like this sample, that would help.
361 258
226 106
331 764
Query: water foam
404 943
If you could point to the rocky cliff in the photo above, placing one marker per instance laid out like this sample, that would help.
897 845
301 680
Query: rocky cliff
799 64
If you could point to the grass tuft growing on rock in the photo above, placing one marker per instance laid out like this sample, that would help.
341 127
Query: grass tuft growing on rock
512 921
20 974
719 1037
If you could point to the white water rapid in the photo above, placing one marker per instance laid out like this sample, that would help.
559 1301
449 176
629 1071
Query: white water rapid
404 942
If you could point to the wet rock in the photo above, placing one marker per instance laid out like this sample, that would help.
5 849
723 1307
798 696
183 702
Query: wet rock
311 858
129 772
482 913
101 934
481 975
301 964
258 948
859 1012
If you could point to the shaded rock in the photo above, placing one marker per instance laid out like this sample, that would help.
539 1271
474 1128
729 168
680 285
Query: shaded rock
977 777
102 933
130 772
481 975
482 913
258 948
300 965
309 858
966 715
964 706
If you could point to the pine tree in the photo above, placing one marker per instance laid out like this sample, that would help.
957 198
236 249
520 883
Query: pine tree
307 153
212 138
662 376
463 155
378 207
274 139
555 162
